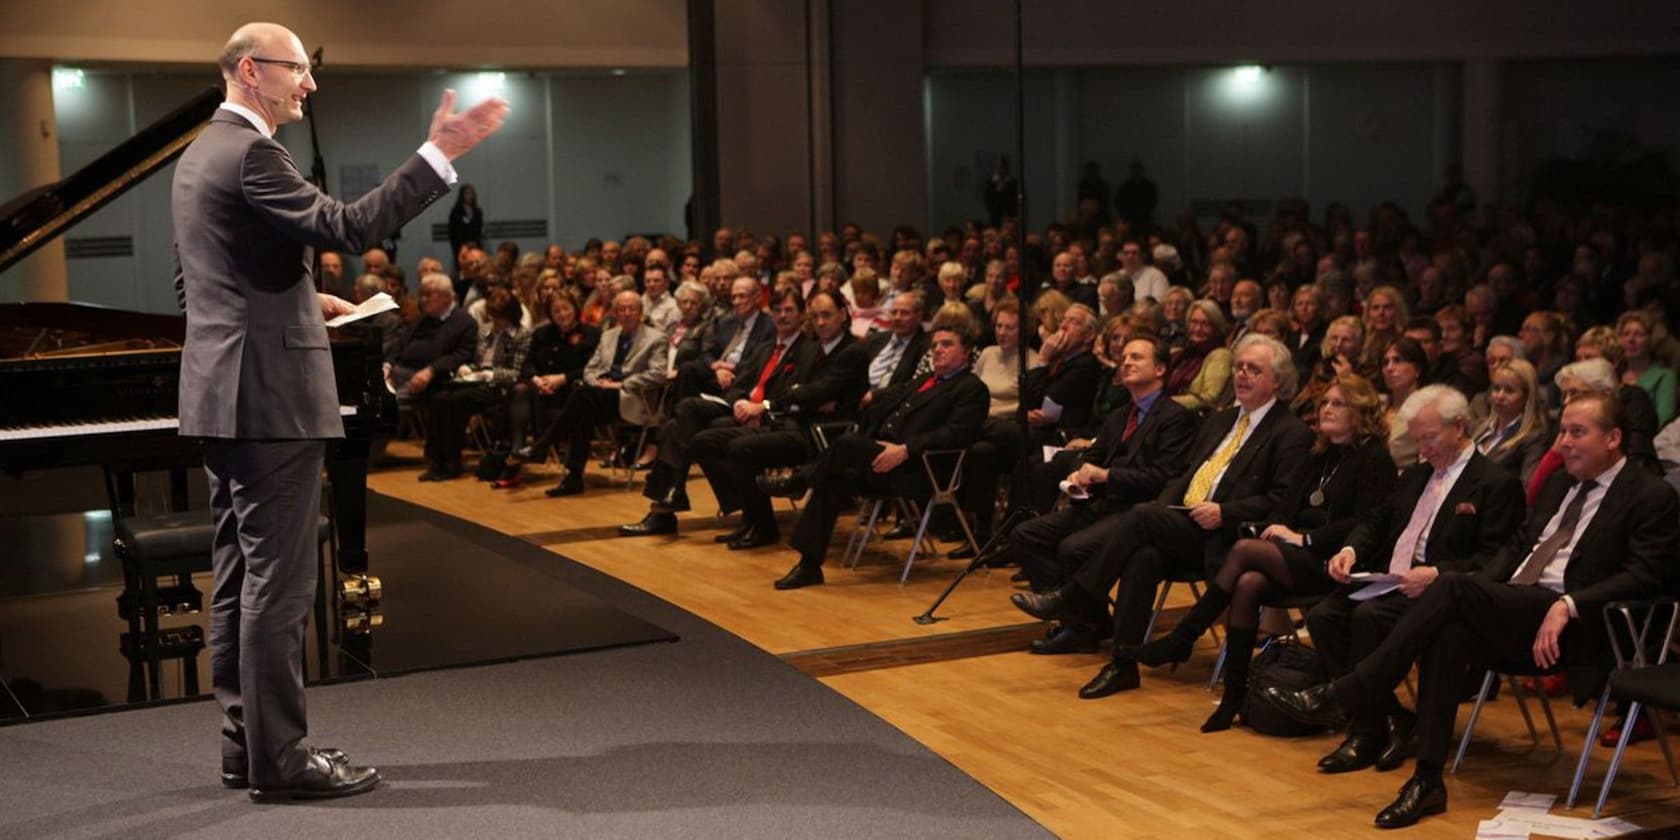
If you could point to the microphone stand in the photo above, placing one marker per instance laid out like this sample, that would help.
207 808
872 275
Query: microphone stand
318 167
983 555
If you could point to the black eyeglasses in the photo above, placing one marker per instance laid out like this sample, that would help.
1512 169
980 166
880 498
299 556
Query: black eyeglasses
298 69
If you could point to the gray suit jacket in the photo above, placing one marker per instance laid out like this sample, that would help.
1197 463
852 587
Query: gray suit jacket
256 362
644 370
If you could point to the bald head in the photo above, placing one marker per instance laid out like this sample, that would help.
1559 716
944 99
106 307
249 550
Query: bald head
267 71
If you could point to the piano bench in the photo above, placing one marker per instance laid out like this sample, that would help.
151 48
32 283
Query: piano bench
179 544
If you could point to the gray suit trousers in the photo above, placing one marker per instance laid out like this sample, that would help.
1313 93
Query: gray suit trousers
265 497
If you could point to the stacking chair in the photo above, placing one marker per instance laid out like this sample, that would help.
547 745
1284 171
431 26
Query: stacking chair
1511 672
1646 686
945 485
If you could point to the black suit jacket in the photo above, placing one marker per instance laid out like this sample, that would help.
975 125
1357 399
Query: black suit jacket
1256 478
1156 452
1479 514
1072 383
907 363
1362 478
1627 551
723 330
947 416
555 352
839 377
752 367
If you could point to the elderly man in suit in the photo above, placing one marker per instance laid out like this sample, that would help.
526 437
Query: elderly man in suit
1140 448
629 361
1599 532
1450 512
895 353
728 339
943 411
257 384
1244 459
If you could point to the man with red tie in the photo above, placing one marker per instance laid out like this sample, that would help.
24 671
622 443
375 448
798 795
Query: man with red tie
944 410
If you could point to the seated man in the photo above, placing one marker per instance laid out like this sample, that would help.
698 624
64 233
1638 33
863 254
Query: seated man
762 369
1449 512
432 347
769 421
943 411
488 385
1599 532
629 360
728 339
894 354
1244 459
1140 448
389 323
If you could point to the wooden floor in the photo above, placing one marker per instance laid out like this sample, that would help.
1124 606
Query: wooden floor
1133 765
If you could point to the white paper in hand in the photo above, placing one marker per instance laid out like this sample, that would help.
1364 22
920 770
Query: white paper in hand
1052 410
380 302
1074 491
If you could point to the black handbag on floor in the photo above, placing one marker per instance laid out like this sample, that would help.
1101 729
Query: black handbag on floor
494 463
1288 665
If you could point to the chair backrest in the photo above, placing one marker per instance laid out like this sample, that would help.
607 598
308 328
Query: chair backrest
1661 615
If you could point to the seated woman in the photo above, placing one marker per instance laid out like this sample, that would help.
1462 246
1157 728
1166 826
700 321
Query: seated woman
1635 329
1403 365
1348 473
559 351
481 386
1515 434
1338 354
1202 368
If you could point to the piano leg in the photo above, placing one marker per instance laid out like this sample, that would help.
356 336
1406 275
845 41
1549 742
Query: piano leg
347 466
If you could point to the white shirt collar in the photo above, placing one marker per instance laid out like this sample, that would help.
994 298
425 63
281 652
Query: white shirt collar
829 345
1258 414
250 116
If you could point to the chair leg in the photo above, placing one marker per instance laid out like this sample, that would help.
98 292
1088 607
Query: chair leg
1160 601
921 531
1551 721
1522 706
1586 749
1616 758
1219 664
864 535
1470 725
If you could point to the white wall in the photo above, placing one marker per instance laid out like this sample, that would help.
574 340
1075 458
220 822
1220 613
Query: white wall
595 155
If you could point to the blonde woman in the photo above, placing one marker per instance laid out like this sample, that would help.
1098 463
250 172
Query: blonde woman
1515 434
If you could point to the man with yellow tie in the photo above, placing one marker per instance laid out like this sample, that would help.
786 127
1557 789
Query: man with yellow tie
1244 459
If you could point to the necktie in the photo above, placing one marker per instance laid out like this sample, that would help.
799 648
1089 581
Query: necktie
1547 551
880 370
769 370
927 385
1201 484
1422 514
731 351
1131 425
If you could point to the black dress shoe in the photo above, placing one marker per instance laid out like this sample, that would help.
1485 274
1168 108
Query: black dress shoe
1050 606
237 780
790 486
321 779
1314 706
756 537
735 534
1417 799
567 487
431 474
1066 638
1402 742
901 531
966 551
1114 678
654 523
801 575
1356 752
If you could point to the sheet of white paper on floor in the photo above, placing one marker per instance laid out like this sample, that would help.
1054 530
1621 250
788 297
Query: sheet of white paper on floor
1522 800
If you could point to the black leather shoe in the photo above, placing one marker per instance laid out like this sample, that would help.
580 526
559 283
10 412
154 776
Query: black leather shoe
901 531
1114 678
735 534
1356 752
1314 706
321 779
654 523
239 781
1066 638
567 487
790 486
966 551
431 474
1417 799
1402 742
801 575
756 537
1050 606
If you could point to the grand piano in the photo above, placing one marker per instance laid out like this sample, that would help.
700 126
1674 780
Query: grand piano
89 385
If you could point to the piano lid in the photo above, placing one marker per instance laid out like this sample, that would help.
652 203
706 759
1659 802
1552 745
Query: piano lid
34 218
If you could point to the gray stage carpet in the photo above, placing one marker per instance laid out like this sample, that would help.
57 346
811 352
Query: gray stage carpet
705 737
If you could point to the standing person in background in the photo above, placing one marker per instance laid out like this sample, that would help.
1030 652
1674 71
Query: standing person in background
257 384
466 223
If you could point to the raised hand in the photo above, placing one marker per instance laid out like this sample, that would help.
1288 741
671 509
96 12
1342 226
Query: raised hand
455 134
